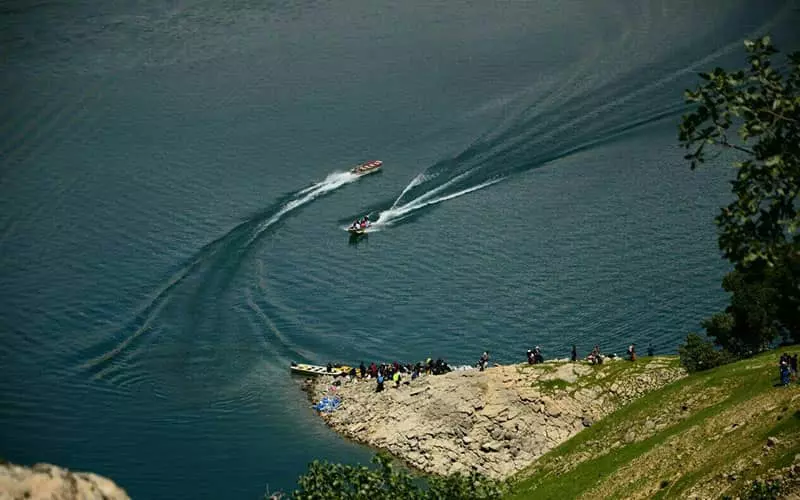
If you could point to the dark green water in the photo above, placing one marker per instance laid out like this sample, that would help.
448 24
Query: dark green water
173 197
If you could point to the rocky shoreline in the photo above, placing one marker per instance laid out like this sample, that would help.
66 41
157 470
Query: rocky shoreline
495 422
55 483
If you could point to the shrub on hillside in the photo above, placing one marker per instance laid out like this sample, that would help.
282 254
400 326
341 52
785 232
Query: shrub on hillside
763 490
698 354
332 481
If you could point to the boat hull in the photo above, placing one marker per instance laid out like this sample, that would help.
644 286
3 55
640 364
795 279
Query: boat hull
316 370
367 168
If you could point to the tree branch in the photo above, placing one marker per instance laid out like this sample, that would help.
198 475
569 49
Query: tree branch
738 148
778 115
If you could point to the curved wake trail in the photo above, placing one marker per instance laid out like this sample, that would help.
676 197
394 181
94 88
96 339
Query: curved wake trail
216 263
556 125
419 179
397 214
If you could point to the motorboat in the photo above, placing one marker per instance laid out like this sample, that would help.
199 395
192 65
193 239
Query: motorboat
358 228
367 168
314 370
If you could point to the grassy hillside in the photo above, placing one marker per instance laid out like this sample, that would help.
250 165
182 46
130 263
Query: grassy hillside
709 434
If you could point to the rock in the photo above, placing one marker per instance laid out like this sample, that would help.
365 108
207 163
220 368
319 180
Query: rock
492 411
458 468
630 436
772 441
53 482
551 407
496 422
358 428
491 446
418 391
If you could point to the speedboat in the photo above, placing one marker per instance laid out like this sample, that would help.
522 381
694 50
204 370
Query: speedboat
314 370
367 168
359 226
358 230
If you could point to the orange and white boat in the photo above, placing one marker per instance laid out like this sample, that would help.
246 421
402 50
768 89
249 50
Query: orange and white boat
367 168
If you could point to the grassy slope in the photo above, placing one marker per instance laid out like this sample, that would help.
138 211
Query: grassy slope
687 438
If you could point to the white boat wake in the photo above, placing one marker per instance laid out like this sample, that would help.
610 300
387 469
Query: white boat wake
397 213
304 196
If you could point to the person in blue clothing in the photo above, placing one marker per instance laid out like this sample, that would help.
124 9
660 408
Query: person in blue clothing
379 388
785 373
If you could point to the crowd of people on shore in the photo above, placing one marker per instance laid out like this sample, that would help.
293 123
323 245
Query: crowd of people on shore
594 357
395 372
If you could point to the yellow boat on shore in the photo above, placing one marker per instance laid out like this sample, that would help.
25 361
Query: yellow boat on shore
314 370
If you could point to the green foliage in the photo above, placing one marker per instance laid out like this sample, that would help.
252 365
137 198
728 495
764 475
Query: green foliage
762 490
472 486
332 481
698 354
758 231
765 305
749 324
761 224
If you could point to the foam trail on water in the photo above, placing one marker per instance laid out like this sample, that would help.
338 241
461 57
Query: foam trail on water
396 214
205 261
419 179
439 189
332 182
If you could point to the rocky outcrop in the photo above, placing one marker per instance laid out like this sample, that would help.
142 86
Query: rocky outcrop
495 422
54 483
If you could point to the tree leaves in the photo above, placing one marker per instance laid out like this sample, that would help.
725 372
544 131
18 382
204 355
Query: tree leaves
757 230
764 104
331 481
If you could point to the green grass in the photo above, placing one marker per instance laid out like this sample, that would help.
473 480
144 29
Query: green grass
704 396
541 367
552 386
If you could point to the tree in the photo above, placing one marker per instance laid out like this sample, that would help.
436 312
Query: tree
698 354
752 321
332 481
761 225
758 230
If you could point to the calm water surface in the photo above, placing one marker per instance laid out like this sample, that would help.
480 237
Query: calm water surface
173 193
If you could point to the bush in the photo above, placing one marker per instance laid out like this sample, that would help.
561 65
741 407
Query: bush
326 480
763 490
698 354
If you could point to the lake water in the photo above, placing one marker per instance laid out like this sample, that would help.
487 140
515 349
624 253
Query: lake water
173 198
